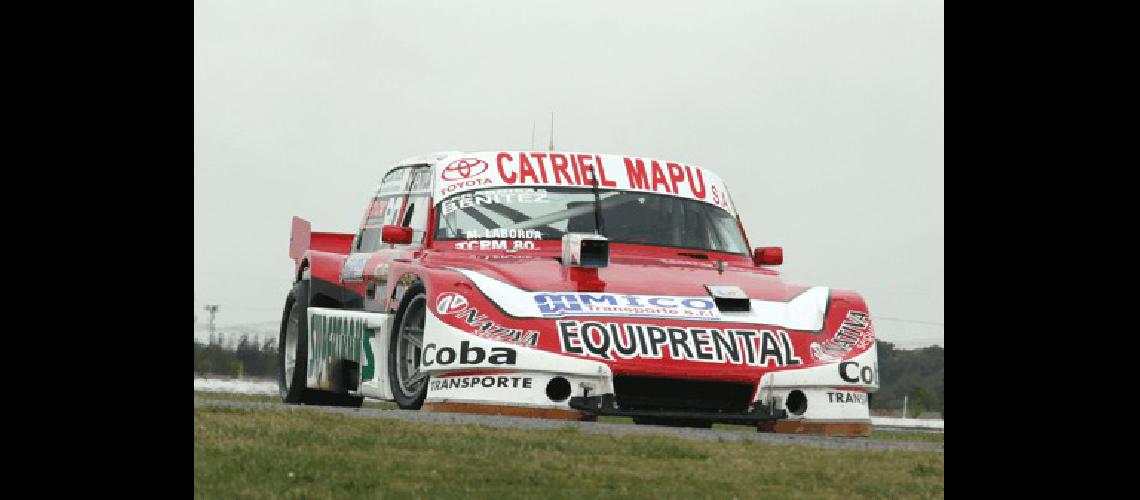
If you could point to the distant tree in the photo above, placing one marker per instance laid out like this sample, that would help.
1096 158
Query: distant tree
904 372
245 359
920 400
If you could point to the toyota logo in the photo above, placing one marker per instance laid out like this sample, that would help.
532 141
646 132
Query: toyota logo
463 168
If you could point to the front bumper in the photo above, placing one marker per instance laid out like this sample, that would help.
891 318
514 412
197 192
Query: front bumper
824 399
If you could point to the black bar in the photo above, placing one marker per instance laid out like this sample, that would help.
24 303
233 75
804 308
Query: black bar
604 405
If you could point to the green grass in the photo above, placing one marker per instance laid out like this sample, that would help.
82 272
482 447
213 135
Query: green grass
240 452
258 398
932 437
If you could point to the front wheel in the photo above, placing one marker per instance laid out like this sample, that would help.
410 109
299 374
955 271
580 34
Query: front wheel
292 346
408 382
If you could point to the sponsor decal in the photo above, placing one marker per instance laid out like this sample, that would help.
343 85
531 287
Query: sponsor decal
506 245
467 184
851 371
531 169
556 305
485 382
855 331
381 212
654 179
579 170
720 199
434 355
337 337
455 304
463 168
570 170
490 197
847 398
450 303
502 232
764 348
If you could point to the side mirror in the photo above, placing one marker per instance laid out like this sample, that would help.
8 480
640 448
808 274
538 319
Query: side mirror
768 256
398 235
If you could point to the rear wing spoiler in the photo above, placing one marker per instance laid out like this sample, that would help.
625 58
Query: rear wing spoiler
302 239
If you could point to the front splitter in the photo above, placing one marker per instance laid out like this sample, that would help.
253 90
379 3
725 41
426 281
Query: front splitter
606 405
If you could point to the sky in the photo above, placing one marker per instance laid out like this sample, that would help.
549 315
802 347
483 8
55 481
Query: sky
824 118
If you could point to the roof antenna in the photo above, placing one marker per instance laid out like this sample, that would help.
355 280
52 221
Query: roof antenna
552 131
532 135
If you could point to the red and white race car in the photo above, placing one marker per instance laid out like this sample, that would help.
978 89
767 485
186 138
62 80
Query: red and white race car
569 285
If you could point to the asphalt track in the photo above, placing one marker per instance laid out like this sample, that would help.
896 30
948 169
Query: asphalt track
594 427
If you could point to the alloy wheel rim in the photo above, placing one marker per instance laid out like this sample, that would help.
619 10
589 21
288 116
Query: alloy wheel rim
409 348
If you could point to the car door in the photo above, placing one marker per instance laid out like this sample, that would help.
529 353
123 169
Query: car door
384 209
413 213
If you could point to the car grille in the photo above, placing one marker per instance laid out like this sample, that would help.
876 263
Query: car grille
652 393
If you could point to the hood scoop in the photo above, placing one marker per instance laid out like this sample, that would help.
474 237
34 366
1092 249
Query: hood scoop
729 298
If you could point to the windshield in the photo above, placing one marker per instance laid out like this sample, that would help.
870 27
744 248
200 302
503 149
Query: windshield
627 217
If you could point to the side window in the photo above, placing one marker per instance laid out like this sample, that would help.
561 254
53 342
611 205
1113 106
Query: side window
383 210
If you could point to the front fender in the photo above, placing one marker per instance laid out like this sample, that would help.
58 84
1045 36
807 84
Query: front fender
448 349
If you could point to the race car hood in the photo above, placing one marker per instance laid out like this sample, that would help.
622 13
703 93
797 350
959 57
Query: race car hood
632 275
646 287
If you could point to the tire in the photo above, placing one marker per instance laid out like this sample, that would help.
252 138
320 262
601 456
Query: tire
404 352
293 355
292 346
673 422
